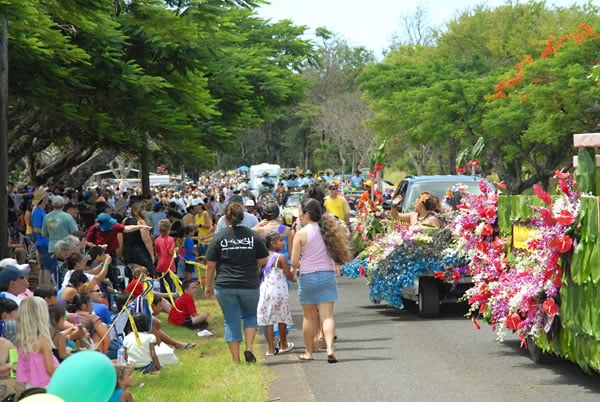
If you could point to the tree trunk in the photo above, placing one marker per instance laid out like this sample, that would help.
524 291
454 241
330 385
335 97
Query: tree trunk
81 173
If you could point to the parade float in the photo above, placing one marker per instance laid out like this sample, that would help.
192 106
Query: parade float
534 261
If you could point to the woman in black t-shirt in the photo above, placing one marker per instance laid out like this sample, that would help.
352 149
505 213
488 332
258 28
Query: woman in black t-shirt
235 254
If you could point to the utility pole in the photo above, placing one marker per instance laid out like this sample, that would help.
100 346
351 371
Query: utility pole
4 249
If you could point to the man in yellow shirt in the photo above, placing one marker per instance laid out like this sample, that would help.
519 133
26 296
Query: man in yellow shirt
337 205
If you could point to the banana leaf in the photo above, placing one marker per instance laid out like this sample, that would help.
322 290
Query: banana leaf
586 172
595 263
577 262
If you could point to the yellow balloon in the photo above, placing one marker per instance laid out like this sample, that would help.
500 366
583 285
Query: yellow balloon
43 398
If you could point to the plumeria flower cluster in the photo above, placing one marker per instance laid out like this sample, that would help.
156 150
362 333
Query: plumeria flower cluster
520 296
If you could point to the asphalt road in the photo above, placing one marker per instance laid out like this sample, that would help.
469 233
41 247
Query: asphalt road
394 355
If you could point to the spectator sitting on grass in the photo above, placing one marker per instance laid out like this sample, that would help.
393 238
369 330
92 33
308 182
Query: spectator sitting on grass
161 335
8 314
184 312
144 355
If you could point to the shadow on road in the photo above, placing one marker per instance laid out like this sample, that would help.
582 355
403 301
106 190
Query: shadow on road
454 312
567 373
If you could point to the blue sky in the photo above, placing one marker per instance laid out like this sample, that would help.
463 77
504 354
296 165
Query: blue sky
372 23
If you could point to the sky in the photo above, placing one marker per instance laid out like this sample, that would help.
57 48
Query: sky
372 23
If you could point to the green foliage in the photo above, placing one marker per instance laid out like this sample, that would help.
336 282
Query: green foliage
446 96
189 75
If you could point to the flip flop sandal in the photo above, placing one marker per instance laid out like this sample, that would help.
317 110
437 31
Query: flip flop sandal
249 356
189 345
290 346
331 359
304 357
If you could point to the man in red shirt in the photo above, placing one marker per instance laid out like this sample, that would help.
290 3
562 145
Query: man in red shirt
184 312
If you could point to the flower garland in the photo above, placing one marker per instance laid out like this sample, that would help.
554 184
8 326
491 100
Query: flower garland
517 292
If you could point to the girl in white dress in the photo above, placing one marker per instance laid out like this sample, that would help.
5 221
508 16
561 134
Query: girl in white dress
274 302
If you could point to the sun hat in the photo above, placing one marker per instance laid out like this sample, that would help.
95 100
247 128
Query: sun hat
12 273
105 222
38 196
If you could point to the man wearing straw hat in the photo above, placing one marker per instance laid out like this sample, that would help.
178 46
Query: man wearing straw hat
46 261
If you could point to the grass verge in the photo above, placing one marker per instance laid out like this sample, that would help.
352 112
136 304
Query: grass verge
205 372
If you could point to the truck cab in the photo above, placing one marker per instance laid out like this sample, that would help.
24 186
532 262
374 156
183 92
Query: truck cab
427 291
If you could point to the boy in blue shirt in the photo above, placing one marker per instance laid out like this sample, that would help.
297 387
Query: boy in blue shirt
190 251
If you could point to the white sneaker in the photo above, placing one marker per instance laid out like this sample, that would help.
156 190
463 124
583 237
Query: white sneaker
205 332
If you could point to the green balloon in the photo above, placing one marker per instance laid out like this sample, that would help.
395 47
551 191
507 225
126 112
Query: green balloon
84 377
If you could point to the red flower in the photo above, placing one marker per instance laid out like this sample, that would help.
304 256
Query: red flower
547 217
361 271
378 166
487 230
550 307
456 276
513 321
475 322
474 163
460 170
501 185
562 243
559 174
542 195
565 218
439 275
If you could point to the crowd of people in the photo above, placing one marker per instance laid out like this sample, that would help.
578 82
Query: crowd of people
91 253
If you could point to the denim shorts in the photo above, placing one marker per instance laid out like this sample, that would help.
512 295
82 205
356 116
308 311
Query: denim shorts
238 305
48 262
317 287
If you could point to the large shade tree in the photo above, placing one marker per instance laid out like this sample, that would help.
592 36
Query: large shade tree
166 81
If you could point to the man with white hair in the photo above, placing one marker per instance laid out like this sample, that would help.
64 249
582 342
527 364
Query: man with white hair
57 225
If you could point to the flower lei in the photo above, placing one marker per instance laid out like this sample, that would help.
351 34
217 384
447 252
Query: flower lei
517 294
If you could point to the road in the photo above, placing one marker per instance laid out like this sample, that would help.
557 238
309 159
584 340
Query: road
394 355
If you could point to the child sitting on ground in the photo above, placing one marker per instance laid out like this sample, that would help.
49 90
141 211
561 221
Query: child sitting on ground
274 301
36 362
124 381
8 315
184 312
57 319
143 357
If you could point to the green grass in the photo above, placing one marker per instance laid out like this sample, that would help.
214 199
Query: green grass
204 373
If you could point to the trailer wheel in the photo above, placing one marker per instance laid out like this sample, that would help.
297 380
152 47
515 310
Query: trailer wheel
429 298
537 355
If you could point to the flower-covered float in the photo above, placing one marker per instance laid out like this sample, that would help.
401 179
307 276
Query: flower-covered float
534 262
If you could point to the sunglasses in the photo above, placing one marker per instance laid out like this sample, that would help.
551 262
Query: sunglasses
96 291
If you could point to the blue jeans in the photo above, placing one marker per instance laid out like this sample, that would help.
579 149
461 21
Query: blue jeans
238 305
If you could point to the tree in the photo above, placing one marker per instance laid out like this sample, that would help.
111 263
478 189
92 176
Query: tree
436 96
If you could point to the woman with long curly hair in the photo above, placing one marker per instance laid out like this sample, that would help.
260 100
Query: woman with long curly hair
320 247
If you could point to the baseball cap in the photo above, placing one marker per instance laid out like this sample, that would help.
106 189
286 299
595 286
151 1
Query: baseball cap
196 201
249 203
11 273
